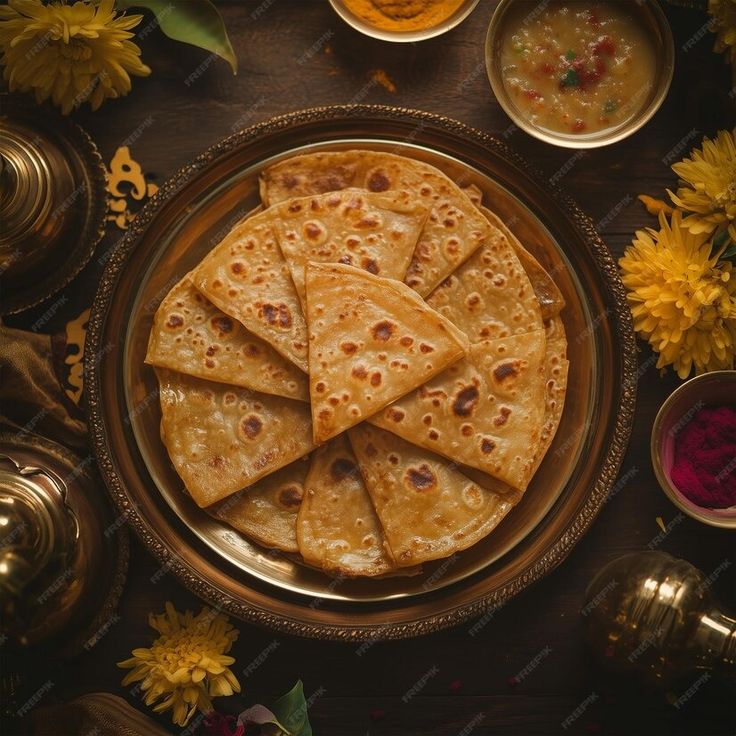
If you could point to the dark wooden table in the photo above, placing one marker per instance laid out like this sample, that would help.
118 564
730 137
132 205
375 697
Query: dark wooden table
469 689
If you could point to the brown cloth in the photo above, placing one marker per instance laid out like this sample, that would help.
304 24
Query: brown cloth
32 399
101 714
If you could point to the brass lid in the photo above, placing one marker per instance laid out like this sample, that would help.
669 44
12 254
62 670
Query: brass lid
52 203
63 553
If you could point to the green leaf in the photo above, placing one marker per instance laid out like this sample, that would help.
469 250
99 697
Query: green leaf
291 710
196 22
571 79
570 55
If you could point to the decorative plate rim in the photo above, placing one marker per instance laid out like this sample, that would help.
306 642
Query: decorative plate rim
573 530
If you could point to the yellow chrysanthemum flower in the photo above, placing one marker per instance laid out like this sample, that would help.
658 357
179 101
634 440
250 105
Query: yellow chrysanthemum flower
723 13
69 53
188 663
682 299
709 185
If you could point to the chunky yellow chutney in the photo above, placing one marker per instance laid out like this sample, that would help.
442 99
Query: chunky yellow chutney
577 67
403 15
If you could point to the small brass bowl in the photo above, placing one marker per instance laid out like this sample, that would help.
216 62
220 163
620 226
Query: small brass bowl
710 389
646 12
463 11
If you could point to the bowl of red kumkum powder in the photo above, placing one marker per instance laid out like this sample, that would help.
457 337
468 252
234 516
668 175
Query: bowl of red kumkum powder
694 448
580 73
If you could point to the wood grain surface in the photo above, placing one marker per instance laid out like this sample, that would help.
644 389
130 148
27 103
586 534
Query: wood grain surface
298 53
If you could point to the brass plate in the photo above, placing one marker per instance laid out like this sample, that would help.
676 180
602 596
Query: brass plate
191 212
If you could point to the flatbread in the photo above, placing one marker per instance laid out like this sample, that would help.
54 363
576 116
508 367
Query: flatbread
267 511
428 509
191 335
247 277
485 411
223 438
556 369
375 232
371 340
455 228
490 295
549 296
337 528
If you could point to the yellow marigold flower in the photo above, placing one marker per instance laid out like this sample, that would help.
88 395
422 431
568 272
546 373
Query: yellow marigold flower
709 185
188 663
682 299
69 53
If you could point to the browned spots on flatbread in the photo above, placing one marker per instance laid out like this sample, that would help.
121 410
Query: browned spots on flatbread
378 181
174 321
421 478
507 370
222 324
251 426
370 450
383 330
342 468
313 230
251 350
426 348
295 207
434 434
466 430
209 363
211 350
348 347
217 461
289 181
277 315
503 417
396 414
487 445
360 372
375 379
465 401
320 387
237 267
290 497
406 341
370 265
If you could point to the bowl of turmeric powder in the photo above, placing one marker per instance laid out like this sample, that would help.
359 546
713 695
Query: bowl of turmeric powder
694 448
407 20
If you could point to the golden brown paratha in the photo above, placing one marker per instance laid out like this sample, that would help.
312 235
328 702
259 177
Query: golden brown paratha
455 228
549 296
556 367
223 438
485 411
490 295
266 511
337 528
371 340
427 508
247 277
191 335
375 232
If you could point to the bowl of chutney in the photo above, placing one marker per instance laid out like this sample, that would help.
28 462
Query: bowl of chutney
580 74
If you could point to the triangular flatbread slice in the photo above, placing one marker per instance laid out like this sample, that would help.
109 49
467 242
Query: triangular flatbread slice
375 232
556 367
247 277
267 511
337 527
454 230
485 411
191 335
549 296
490 295
428 509
223 438
371 340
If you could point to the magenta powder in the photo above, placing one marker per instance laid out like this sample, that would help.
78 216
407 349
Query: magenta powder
705 458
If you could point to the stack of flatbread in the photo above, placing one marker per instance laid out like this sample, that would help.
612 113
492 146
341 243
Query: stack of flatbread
367 372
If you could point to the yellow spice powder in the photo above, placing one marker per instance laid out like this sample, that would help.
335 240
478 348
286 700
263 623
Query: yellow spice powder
403 15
